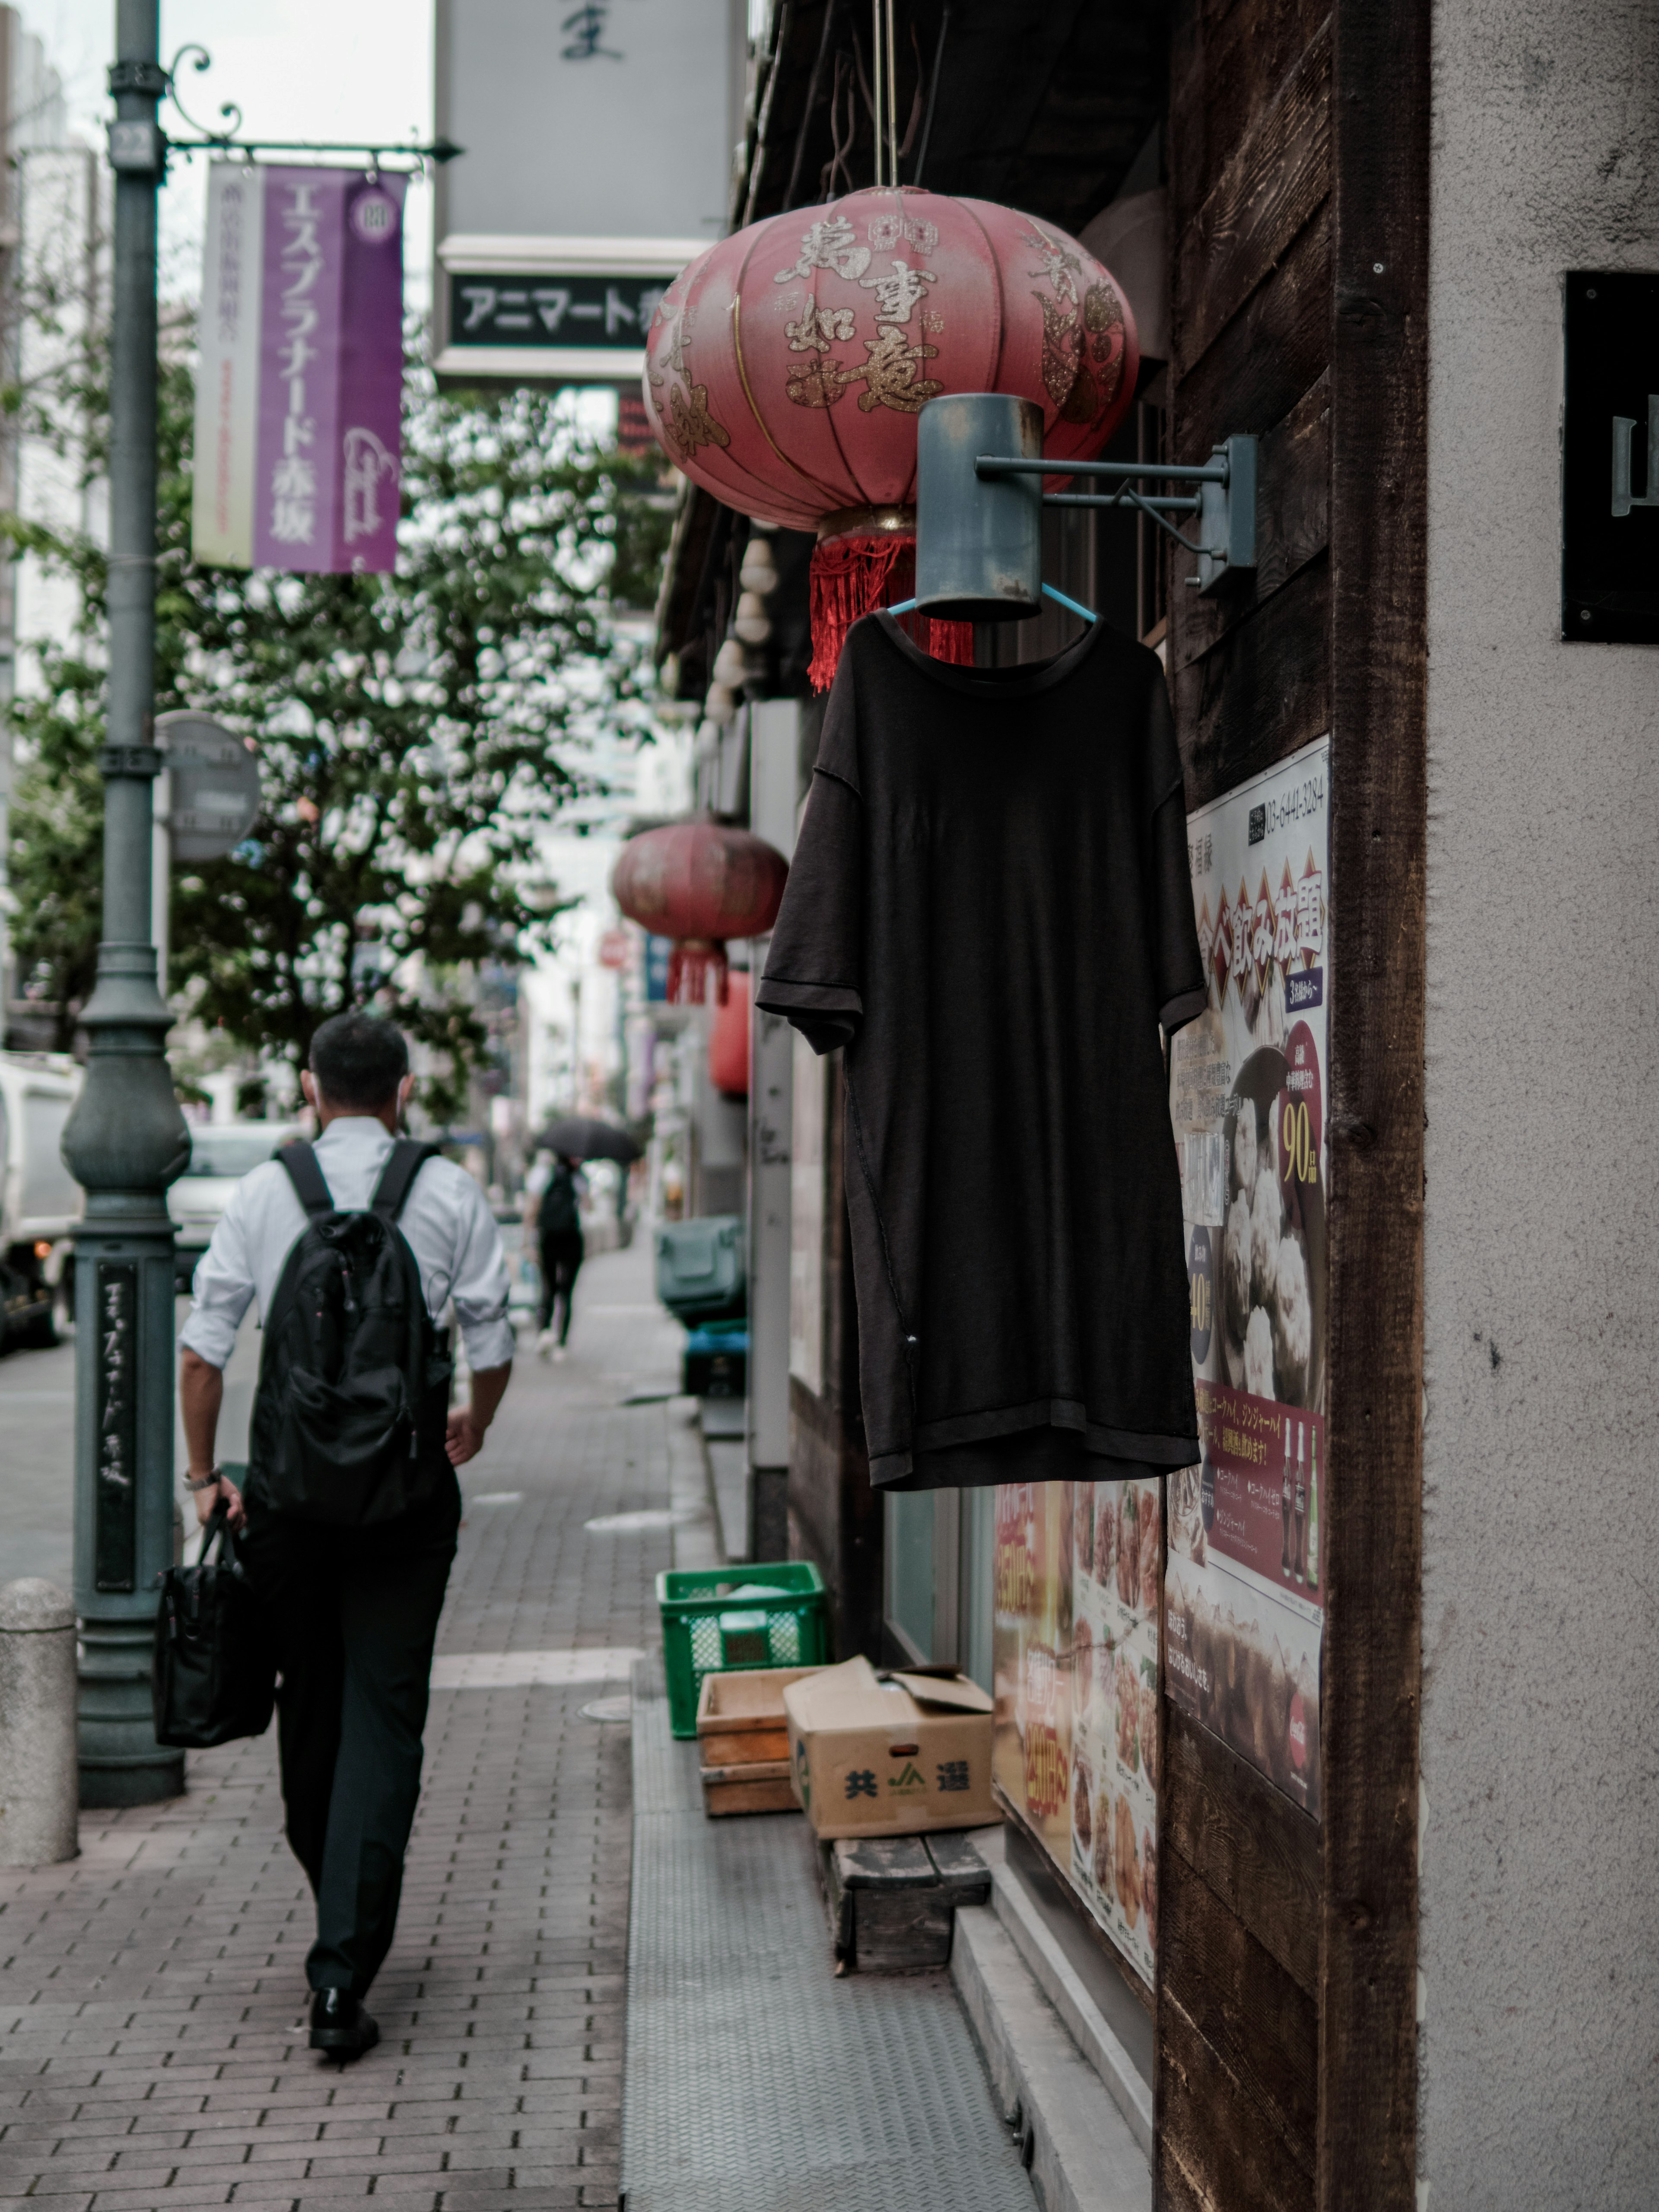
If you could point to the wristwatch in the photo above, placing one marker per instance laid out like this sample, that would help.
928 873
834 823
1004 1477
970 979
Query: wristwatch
207 1481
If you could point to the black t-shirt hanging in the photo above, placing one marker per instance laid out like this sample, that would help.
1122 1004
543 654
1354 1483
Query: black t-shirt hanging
990 907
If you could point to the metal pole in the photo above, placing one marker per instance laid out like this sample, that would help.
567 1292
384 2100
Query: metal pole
126 1140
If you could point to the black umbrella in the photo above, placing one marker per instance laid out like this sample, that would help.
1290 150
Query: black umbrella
581 1137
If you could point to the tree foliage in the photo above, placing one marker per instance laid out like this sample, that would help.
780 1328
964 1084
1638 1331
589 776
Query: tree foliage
414 731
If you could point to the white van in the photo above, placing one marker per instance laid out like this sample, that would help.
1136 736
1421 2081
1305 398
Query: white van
40 1198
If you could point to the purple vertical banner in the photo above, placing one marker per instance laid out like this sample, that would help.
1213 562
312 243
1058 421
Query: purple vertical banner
331 372
371 376
295 478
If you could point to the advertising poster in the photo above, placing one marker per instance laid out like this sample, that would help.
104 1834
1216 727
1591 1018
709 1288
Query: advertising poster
1248 1091
1077 1572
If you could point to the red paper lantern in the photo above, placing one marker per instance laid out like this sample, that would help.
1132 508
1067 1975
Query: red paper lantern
699 883
786 366
728 1040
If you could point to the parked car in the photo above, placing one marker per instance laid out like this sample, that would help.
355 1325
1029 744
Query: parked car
220 1154
40 1198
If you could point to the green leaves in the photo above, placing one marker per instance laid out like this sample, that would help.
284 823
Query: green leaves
414 731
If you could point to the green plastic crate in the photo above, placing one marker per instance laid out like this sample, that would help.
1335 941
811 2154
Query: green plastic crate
710 1626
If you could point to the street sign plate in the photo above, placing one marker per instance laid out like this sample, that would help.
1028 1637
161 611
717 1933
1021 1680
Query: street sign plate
215 782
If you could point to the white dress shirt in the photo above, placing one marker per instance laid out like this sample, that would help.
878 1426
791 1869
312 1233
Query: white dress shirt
445 1219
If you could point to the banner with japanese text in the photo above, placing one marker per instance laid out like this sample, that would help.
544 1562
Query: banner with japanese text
1244 1587
299 391
1077 1744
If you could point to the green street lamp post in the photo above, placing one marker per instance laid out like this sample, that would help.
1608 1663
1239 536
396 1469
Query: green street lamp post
126 1139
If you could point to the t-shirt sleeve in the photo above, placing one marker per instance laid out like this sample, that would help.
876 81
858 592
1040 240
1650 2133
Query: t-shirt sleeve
815 968
1179 982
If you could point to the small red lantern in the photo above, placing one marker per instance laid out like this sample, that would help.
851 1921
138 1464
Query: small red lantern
699 883
728 1040
786 366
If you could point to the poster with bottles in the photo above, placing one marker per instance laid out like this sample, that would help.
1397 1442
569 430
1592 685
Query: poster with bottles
1076 1579
1244 1585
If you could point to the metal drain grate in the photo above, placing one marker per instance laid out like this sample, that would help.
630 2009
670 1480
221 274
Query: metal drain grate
756 2081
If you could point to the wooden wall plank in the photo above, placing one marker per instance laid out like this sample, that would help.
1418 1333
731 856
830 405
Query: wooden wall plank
1292 526
1369 1717
1263 692
1267 356
1257 1851
1229 58
1213 2141
1262 2027
1268 191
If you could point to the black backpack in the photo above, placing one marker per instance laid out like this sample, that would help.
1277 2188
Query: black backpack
560 1215
352 1401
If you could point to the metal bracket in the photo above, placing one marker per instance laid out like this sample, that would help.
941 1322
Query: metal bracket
1223 499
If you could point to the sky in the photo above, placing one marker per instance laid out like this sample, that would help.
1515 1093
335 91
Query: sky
298 69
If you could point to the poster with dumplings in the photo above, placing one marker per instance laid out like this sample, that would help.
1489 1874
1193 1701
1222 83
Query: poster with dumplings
1077 1573
1244 1585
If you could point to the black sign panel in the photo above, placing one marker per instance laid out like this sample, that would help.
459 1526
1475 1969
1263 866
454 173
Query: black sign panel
1610 459
115 1546
607 314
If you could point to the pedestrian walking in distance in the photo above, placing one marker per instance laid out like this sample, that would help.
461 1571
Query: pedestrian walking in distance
559 1228
353 1248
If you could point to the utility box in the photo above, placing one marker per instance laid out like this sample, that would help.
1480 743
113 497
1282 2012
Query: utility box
699 1268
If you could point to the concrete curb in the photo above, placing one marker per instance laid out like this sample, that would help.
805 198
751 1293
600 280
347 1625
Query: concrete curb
1059 1982
1078 2146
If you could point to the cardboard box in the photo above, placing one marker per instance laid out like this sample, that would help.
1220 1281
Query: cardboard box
895 1758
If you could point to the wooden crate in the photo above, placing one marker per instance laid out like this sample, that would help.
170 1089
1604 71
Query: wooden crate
743 1741
740 1718
762 1786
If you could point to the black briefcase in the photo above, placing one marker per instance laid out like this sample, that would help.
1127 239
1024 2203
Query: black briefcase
215 1672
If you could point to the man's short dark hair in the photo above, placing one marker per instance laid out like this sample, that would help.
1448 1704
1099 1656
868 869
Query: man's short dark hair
359 1060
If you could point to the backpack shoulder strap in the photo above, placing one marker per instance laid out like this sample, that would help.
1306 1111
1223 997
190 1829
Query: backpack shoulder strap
303 1172
404 1163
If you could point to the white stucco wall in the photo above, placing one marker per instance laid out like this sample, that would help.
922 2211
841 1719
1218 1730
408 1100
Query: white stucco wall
1540 1931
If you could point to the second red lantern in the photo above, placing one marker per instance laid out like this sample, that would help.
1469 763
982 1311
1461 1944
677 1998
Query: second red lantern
699 883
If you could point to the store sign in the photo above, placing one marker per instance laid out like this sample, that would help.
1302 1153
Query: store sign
606 312
1249 1087
598 163
1610 459
299 389
1075 1575
536 309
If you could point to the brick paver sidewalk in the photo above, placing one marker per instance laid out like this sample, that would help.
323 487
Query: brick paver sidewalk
152 1992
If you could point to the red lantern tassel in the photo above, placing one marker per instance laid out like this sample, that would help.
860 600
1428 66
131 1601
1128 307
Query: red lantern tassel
851 577
688 966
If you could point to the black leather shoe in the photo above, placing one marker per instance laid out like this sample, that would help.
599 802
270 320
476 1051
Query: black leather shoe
340 2026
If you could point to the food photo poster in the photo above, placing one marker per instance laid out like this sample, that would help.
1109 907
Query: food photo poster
1244 1583
1075 1652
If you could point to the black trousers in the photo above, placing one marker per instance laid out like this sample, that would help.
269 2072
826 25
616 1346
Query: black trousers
561 1259
355 1614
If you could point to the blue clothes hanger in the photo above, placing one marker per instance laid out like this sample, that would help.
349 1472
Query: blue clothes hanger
907 606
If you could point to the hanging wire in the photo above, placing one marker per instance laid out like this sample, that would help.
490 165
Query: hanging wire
932 95
892 103
878 46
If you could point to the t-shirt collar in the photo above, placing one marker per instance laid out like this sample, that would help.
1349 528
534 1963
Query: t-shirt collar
1015 682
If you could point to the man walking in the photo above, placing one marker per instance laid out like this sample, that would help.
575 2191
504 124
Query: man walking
354 1609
